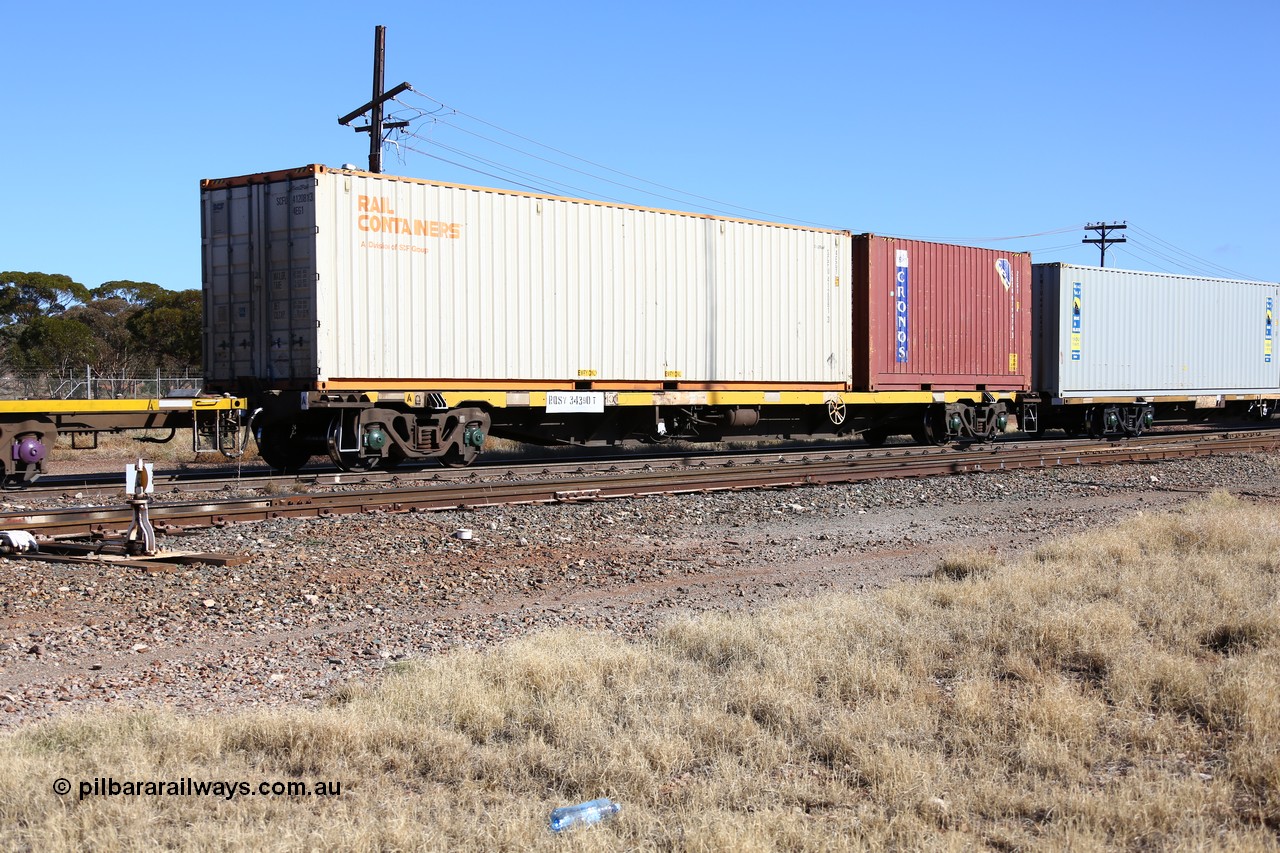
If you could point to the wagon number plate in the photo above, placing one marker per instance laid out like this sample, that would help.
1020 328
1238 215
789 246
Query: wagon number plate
575 401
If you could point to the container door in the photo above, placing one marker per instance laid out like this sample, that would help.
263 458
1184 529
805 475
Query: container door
289 279
228 291
259 282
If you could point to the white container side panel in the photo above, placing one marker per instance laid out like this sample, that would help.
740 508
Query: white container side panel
1106 331
416 281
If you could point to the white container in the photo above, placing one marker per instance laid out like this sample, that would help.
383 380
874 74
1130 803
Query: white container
329 279
1109 332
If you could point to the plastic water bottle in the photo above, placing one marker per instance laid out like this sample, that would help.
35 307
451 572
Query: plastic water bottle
583 814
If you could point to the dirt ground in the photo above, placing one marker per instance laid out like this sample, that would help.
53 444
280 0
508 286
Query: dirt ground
322 603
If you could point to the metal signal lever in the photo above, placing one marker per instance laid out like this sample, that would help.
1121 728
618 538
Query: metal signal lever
140 541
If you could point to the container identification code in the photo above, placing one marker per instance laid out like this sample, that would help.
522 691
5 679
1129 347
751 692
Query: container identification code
901 293
1075 321
575 401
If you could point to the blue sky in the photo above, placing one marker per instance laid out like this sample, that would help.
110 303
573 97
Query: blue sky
953 121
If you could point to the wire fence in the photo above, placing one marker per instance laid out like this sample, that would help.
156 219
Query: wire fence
88 384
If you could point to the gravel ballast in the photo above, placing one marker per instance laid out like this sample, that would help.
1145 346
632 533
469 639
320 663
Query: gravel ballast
322 603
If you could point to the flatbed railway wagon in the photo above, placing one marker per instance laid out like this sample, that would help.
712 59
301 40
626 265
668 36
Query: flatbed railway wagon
29 429
1117 350
374 318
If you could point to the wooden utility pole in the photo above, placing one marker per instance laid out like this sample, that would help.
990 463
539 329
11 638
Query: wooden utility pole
1102 239
376 125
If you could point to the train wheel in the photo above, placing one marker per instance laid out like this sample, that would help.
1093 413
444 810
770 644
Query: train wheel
465 435
876 436
997 422
17 475
1076 424
347 460
455 458
355 463
1093 423
393 458
463 453
279 447
932 428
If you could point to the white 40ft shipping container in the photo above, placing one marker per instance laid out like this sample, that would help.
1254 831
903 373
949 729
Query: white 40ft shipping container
325 279
1102 332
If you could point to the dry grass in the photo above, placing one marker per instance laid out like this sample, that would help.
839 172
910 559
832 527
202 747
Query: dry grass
120 449
1116 691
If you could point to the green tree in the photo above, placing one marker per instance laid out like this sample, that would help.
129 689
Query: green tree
168 329
117 353
128 292
56 344
54 325
107 312
26 295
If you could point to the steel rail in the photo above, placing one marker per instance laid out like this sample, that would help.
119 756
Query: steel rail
678 479
260 477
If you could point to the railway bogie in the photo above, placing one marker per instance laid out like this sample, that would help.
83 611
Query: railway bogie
361 432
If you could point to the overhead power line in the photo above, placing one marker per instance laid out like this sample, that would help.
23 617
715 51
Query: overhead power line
716 202
545 185
1201 265
444 112
1133 252
965 240
412 119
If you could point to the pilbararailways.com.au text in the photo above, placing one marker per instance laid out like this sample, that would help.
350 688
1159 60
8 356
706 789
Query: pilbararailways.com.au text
188 787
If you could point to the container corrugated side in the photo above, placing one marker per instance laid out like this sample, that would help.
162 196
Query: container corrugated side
405 280
1124 332
936 316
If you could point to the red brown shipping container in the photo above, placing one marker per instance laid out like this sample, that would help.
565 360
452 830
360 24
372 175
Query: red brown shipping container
939 317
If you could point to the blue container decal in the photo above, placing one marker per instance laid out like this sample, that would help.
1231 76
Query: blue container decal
1005 270
1266 345
1075 321
901 293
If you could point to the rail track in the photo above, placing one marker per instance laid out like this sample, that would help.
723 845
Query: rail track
258 476
582 480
